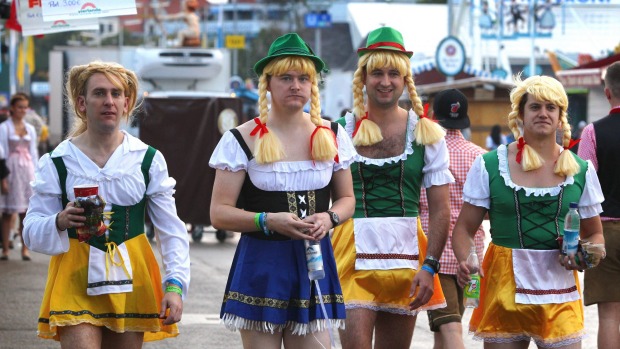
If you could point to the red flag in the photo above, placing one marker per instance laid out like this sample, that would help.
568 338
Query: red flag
12 22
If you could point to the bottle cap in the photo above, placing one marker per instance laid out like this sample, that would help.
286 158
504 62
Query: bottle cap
573 205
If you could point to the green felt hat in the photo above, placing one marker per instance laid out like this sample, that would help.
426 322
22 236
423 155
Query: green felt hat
289 44
384 38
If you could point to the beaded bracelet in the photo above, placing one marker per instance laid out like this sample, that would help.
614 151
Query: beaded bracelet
175 289
176 282
264 224
429 269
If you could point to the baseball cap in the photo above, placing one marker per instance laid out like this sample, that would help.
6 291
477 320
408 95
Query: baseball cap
450 109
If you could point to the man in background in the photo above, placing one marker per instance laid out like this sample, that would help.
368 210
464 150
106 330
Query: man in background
600 144
450 110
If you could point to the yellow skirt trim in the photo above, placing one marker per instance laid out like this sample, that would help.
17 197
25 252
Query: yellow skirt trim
65 302
499 319
380 290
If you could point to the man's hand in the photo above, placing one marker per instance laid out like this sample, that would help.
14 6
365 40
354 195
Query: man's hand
421 289
172 301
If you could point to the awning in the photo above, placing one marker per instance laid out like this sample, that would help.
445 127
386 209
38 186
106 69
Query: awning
587 75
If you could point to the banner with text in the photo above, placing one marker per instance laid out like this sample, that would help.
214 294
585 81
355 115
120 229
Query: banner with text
54 10
30 16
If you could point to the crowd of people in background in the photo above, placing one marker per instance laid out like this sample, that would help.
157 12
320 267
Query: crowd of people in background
401 189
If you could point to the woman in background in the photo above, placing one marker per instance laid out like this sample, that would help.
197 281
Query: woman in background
19 140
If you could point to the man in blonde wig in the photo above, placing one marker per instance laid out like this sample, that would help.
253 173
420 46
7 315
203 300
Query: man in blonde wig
529 291
283 178
380 252
105 290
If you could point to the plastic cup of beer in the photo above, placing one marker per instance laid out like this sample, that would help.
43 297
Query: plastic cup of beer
87 197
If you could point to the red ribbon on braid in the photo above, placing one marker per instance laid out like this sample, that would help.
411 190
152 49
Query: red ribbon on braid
357 124
259 127
336 159
425 115
572 143
520 146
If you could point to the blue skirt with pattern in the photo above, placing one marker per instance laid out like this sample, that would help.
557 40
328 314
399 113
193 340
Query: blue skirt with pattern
268 288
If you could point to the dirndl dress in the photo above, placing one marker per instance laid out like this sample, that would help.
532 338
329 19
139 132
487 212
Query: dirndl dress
380 250
112 282
525 293
268 288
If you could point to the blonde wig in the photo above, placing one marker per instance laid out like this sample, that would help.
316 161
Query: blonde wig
547 89
268 148
77 83
369 133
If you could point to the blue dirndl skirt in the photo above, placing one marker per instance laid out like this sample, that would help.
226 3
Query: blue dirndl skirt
268 288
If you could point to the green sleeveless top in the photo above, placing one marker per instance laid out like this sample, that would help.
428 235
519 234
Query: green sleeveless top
528 222
389 190
127 221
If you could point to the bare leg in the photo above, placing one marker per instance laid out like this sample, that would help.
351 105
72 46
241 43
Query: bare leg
25 252
608 325
261 340
438 341
127 340
6 233
451 335
359 329
309 341
394 331
82 336
509 345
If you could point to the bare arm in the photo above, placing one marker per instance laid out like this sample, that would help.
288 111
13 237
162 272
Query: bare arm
439 223
463 234
439 219
226 216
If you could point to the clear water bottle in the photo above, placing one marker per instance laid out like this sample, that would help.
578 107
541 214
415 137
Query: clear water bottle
314 258
571 230
471 293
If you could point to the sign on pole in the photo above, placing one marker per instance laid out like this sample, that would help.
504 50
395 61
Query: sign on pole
235 41
450 56
318 20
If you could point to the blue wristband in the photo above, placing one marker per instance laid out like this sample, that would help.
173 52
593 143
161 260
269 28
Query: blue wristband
429 269
174 281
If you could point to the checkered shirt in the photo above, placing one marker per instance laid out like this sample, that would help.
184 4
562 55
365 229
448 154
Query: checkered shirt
462 156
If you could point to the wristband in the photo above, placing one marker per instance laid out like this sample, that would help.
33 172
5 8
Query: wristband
257 221
176 282
174 289
56 221
428 269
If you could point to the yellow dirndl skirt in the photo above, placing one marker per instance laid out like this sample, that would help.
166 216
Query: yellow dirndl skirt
499 319
65 302
379 290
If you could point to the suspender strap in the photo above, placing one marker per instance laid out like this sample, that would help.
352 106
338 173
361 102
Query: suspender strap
146 165
62 177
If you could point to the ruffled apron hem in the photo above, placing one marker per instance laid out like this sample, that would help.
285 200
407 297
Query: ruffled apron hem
234 323
516 337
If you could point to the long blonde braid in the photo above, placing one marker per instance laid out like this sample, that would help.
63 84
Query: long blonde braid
368 132
323 145
267 147
426 131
